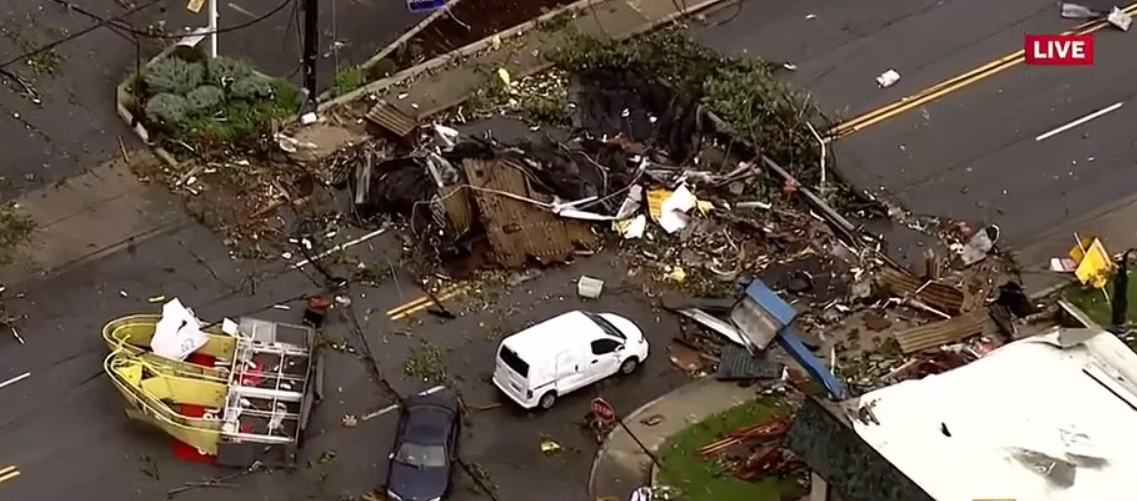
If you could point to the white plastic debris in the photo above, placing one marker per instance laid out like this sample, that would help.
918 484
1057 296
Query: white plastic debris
888 79
980 245
308 118
446 137
1077 11
229 327
588 287
673 210
178 333
1120 19
632 228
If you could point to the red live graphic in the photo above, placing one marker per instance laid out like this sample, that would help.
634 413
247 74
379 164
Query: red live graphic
1059 50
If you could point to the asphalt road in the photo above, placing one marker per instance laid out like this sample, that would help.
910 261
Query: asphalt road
65 419
76 127
504 441
976 155
841 47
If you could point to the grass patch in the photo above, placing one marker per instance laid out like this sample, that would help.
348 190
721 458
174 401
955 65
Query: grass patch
702 479
349 80
1095 303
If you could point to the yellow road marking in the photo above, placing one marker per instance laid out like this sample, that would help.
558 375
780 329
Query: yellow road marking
418 302
8 473
426 303
952 85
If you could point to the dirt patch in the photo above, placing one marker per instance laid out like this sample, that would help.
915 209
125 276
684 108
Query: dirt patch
468 22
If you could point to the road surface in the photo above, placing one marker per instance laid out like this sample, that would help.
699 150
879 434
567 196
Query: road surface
1029 149
76 127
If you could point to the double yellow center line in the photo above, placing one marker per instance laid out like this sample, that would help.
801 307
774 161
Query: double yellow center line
8 473
951 85
410 308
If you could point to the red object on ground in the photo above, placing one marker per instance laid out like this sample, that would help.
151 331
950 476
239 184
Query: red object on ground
187 452
182 450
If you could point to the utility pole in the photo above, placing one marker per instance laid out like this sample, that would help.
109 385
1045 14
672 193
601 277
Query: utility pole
311 48
212 28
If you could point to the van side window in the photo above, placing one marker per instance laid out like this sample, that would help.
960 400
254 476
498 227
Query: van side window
604 346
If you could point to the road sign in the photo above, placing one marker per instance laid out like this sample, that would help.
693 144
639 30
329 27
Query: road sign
423 6
603 410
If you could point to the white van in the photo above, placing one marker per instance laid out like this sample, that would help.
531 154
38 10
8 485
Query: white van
567 352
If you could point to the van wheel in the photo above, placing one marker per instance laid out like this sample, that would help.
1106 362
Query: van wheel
629 366
547 400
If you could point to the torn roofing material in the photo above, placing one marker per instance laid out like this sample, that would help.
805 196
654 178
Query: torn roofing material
1031 420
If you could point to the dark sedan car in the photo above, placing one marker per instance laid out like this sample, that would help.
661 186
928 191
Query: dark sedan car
426 446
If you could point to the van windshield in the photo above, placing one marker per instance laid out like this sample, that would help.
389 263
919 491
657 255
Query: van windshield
514 362
605 325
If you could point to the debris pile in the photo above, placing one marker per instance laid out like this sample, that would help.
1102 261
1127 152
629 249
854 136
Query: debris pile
755 451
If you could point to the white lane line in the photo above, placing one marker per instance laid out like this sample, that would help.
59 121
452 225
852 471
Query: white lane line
350 243
16 379
392 407
1080 121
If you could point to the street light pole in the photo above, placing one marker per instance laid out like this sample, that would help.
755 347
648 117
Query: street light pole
311 48
212 12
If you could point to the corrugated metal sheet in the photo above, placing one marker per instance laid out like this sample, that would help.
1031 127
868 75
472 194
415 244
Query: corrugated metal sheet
456 201
943 332
390 117
736 363
517 230
938 295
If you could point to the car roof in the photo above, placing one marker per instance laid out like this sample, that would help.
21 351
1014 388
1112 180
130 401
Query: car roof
554 335
427 423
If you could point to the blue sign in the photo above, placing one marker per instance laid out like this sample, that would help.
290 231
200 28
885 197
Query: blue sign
423 6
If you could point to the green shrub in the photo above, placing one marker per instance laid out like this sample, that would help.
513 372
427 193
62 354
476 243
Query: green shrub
224 71
349 80
252 88
382 68
173 76
169 110
205 99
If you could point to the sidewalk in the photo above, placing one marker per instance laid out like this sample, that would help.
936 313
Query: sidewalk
92 215
1115 224
621 466
451 79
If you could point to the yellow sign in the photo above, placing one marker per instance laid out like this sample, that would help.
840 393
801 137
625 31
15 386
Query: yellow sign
1094 264
195 6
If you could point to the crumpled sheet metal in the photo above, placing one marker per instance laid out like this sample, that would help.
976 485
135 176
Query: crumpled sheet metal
937 334
938 295
517 230
391 118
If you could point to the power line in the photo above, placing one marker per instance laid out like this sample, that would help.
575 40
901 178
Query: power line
125 26
77 34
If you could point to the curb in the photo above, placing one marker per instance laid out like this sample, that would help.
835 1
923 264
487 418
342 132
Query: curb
21 275
608 438
132 122
477 46
391 47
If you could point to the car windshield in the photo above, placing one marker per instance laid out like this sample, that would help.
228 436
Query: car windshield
606 325
421 456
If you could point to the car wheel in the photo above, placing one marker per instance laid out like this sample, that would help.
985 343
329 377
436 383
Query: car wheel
629 366
547 400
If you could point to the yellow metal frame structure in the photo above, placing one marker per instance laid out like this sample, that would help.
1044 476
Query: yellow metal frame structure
151 383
